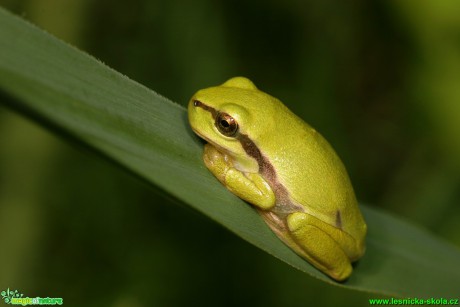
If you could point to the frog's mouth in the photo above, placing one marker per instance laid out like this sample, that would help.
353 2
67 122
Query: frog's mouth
218 147
221 149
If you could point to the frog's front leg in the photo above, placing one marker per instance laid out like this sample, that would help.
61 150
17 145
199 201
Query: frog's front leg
249 186
317 241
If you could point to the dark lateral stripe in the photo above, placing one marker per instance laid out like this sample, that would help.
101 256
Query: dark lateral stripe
252 150
211 110
266 170
338 220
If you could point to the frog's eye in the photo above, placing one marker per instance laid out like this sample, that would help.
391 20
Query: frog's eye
226 124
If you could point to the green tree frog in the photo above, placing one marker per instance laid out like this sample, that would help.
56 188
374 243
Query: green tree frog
266 155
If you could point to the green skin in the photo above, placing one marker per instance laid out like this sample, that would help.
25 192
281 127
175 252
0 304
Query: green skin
269 157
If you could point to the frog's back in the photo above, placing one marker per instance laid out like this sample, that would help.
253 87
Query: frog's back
315 176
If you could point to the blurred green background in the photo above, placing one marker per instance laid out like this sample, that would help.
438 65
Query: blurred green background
379 79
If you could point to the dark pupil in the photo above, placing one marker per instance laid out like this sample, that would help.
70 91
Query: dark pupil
224 123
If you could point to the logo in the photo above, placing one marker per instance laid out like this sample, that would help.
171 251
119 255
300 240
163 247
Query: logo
16 298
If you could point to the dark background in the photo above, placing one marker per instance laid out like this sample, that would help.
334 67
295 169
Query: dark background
379 79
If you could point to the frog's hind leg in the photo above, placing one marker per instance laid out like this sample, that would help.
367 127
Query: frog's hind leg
313 238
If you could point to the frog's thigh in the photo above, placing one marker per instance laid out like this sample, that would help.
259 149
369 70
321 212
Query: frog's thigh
318 246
